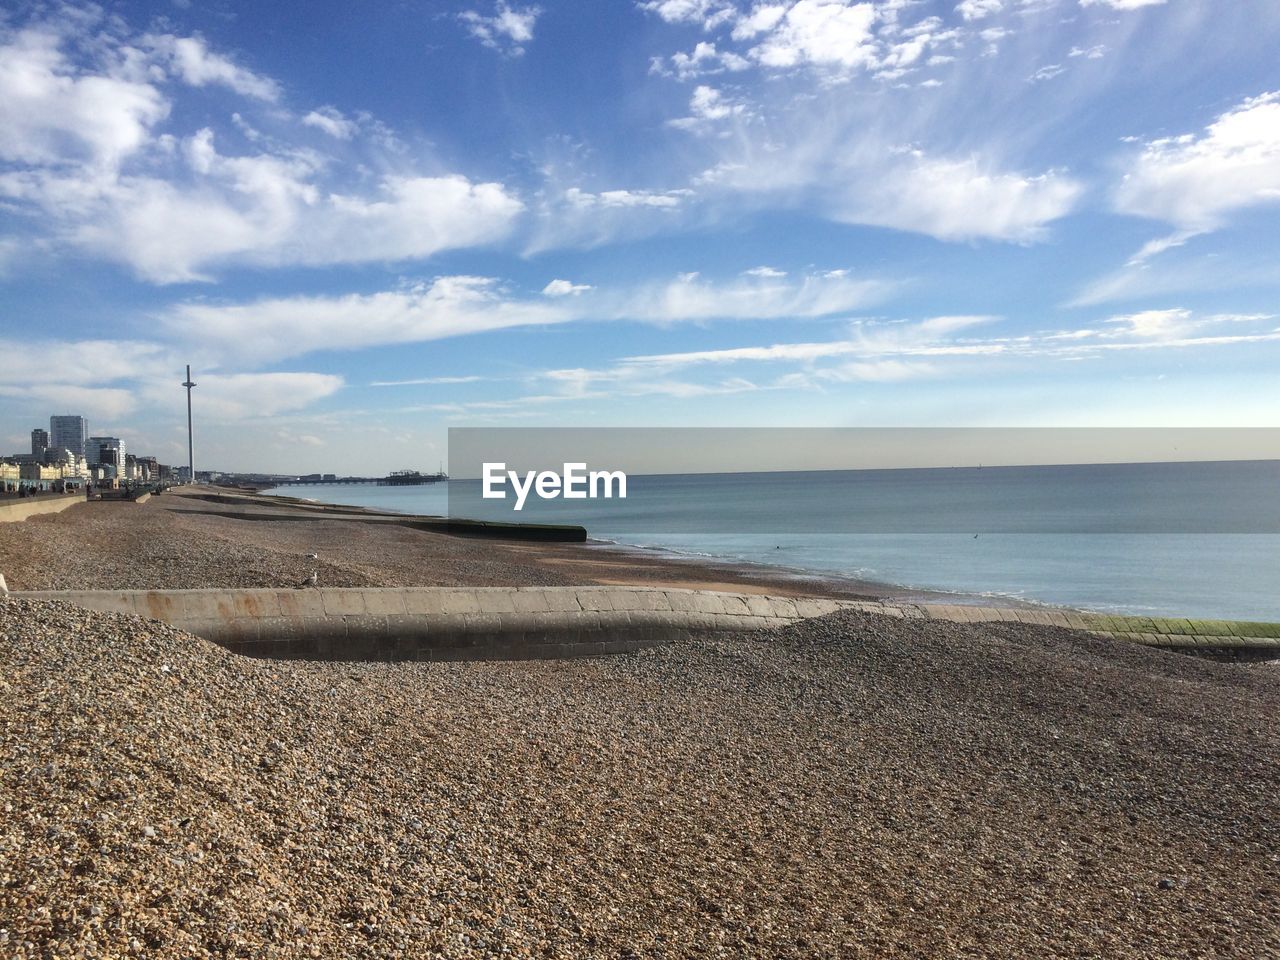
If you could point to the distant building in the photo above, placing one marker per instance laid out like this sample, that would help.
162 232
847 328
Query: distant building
69 433
39 443
106 451
72 466
39 475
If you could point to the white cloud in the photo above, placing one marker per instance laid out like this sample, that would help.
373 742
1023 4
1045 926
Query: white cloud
978 9
665 199
886 351
575 217
774 352
1177 276
508 30
959 200
705 60
331 121
415 217
27 360
191 60
1047 72
820 32
564 288
51 111
1155 324
707 107
132 375
426 381
1121 4
708 13
689 297
768 273
79 117
273 329
1194 182
1153 248
881 371
1180 326
266 210
237 396
97 403
762 19
879 351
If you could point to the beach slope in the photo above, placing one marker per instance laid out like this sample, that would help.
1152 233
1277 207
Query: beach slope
851 786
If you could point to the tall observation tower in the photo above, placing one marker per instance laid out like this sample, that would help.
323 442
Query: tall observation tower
191 457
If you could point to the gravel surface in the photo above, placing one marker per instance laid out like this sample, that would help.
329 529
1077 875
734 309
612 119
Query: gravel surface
178 541
173 542
852 786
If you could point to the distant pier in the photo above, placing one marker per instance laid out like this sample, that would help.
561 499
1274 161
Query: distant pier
411 478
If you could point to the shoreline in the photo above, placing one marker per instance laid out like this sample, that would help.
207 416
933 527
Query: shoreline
208 537
708 572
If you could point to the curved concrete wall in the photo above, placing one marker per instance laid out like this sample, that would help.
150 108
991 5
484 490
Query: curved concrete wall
482 623
14 509
442 623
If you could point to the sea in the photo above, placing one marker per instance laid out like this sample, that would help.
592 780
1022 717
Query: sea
1195 540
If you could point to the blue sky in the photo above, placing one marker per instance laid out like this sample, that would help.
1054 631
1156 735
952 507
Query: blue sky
371 222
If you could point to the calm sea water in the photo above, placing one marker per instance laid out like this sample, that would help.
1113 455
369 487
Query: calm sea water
1125 539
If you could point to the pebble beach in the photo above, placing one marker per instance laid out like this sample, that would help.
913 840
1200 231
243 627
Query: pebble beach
850 786
179 541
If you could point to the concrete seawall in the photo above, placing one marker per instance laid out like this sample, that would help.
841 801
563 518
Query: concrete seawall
483 623
14 510
442 623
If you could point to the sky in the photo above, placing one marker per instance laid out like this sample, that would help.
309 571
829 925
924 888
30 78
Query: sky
363 224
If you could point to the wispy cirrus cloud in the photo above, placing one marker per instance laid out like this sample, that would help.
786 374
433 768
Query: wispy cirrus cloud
875 158
130 375
1196 181
272 329
331 120
921 346
1122 4
427 381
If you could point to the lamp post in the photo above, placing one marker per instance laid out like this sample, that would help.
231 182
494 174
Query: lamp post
191 458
